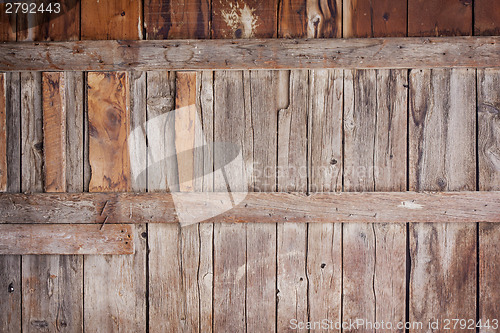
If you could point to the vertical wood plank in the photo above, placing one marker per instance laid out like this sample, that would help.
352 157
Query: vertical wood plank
113 19
230 240
488 107
439 18
51 25
3 134
292 176
138 118
374 160
442 158
177 19
486 18
378 18
10 265
261 237
315 19
54 302
324 252
7 25
114 301
244 19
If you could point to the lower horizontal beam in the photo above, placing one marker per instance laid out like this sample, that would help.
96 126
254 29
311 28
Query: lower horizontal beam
66 239
355 53
188 208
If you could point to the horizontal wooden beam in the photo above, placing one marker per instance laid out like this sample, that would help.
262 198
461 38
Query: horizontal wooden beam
66 239
111 55
90 208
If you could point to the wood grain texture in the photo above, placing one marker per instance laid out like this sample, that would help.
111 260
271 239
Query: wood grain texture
374 160
393 53
54 131
292 176
261 238
51 26
244 19
122 294
324 253
55 303
439 18
388 53
63 239
488 105
230 240
459 207
486 18
31 132
113 19
7 25
177 19
3 134
442 157
314 19
10 266
190 269
109 121
138 117
379 18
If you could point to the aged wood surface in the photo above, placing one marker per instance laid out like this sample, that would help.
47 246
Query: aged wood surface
7 25
10 265
439 18
442 157
292 207
486 18
292 293
379 18
390 53
62 239
123 292
177 19
244 19
3 134
489 180
230 240
301 18
374 160
113 19
260 111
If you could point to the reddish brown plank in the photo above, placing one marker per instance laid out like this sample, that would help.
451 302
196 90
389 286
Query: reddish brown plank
54 131
3 135
7 25
486 18
374 18
177 19
64 25
112 19
66 239
244 19
439 18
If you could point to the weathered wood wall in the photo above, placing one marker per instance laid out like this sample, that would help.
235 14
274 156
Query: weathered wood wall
299 130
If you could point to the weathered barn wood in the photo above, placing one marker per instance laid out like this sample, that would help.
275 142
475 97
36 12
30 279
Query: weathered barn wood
442 157
122 293
74 208
63 239
390 53
488 146
10 265
374 160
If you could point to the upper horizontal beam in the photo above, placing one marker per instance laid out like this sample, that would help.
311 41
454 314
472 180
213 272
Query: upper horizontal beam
415 52
253 207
